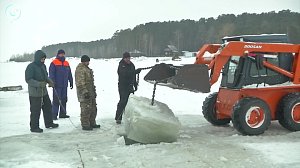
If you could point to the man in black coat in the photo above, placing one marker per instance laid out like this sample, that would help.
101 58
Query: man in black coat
127 84
37 78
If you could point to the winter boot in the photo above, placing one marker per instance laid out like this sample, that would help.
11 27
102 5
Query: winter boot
53 125
95 126
64 116
87 128
118 121
36 130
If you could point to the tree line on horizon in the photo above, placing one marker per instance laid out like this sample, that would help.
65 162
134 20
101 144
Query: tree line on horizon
186 35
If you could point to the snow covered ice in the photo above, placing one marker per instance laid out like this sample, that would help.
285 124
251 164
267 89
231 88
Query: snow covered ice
146 124
199 144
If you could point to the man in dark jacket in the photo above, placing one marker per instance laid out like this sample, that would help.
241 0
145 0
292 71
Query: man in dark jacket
127 84
60 73
37 78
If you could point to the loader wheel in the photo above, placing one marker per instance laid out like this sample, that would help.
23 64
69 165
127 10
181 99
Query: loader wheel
289 112
251 116
209 110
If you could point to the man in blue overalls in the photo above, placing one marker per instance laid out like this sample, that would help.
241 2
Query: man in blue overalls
60 73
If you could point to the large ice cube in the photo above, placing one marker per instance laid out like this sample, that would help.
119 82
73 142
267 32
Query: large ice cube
145 123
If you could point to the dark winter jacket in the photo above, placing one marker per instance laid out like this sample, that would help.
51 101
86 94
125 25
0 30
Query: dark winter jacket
36 75
127 76
60 72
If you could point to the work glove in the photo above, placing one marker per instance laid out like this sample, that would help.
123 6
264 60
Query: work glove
43 84
138 70
87 96
51 84
131 89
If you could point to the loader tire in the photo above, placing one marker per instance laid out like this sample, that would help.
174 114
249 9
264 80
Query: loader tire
251 116
209 110
289 112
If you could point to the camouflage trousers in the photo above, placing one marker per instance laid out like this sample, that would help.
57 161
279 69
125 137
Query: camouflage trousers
88 113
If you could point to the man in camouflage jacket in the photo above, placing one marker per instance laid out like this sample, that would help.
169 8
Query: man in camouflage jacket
86 93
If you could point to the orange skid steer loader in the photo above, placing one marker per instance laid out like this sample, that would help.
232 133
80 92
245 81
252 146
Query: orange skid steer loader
260 82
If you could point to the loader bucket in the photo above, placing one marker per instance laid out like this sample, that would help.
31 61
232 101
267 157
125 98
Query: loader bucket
160 72
192 77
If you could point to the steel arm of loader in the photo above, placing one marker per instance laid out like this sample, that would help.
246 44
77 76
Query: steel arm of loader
211 48
215 63
296 67
235 48
278 69
219 63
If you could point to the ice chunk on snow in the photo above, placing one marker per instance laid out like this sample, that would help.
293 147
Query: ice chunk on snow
121 141
106 157
224 159
145 123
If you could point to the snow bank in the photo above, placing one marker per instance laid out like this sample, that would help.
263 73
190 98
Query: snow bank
150 124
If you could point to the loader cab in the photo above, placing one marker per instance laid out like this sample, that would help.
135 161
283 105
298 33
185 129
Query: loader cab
241 71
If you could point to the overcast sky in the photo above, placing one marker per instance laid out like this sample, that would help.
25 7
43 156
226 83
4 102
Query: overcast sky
27 25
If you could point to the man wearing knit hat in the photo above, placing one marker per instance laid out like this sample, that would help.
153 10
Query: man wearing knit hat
60 73
127 84
86 94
